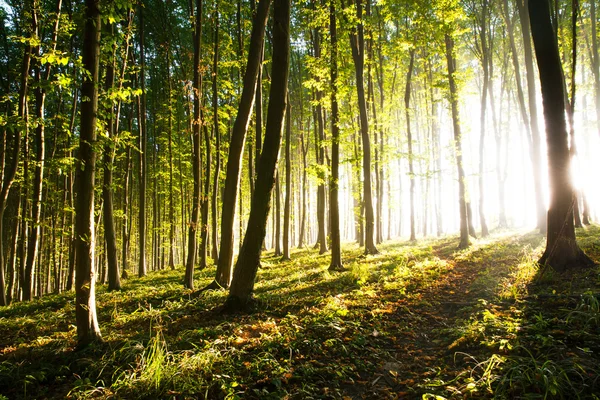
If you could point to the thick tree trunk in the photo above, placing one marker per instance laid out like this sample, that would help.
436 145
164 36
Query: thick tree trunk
334 211
236 143
562 252
462 184
85 279
357 43
242 285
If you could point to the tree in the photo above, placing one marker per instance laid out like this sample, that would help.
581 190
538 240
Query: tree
85 241
196 163
562 251
142 172
534 139
236 144
357 43
110 236
462 189
242 285
288 184
334 212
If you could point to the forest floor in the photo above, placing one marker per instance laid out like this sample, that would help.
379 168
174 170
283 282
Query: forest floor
419 320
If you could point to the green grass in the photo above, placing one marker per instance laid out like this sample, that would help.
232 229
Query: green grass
415 321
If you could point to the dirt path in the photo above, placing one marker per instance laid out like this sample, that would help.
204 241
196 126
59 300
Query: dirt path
419 353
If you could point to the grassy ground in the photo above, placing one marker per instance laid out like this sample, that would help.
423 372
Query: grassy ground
416 321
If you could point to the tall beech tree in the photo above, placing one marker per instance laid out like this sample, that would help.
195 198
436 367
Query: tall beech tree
142 147
196 159
562 251
357 43
88 329
462 183
236 144
242 285
534 139
334 211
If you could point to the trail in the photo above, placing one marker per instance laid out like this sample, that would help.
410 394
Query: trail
418 355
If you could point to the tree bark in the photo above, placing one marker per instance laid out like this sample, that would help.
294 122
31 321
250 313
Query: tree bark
536 157
288 185
142 265
357 44
85 279
334 211
217 166
462 184
242 285
236 143
110 236
485 57
411 171
562 251
196 163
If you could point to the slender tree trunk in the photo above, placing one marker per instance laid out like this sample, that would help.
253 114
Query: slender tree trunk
237 140
110 235
536 157
171 188
462 203
411 171
595 61
142 173
357 43
196 162
334 211
249 259
277 215
85 279
562 251
288 184
217 166
485 52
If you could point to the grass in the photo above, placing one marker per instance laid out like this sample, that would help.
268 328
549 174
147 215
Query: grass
418 320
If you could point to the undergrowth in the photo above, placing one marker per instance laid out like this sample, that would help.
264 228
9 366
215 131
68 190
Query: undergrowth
418 320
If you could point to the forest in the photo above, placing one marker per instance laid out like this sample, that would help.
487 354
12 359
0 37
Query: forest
308 199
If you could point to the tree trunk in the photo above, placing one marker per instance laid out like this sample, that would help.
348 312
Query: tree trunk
334 211
595 61
411 171
462 184
85 279
288 185
536 157
236 143
196 163
562 252
217 166
249 259
357 43
110 235
485 53
142 266
277 215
